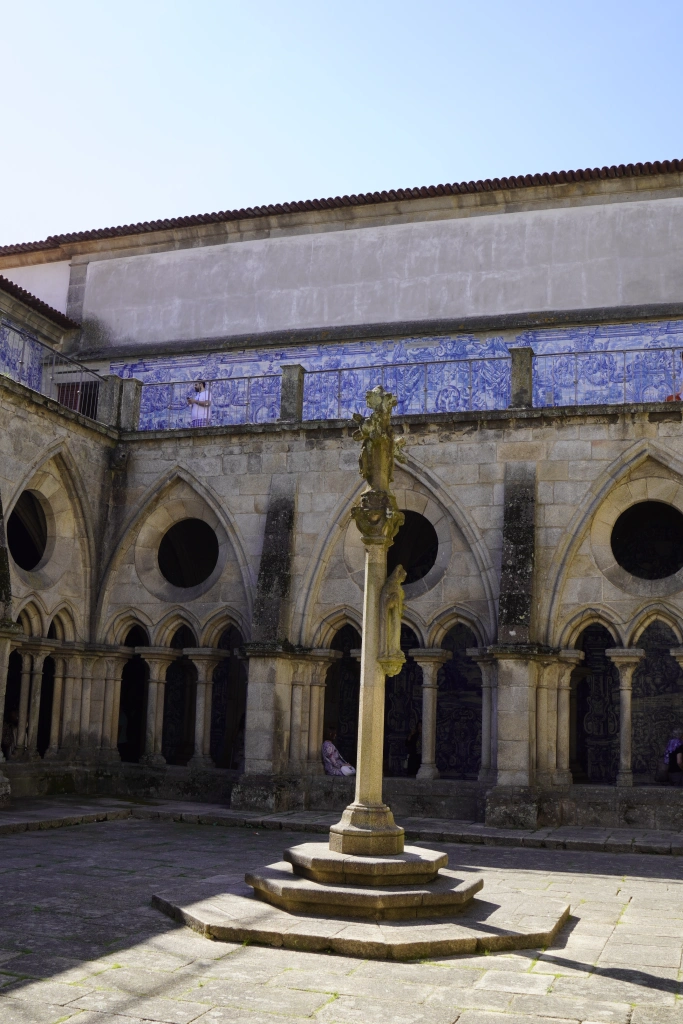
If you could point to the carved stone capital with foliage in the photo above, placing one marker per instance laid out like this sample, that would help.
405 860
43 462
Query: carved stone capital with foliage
379 446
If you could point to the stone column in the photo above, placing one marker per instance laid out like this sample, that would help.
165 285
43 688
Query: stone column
367 825
205 660
319 661
60 670
9 634
626 659
24 694
71 702
112 700
430 660
39 653
158 659
544 689
567 662
299 714
517 670
85 736
487 667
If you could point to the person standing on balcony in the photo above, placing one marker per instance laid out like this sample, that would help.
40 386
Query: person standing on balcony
201 404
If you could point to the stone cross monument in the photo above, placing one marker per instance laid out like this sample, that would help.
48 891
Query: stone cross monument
367 825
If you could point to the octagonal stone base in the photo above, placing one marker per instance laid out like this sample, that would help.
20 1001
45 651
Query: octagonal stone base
279 885
414 866
225 908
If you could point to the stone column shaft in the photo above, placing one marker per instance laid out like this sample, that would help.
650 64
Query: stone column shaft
568 661
24 693
487 667
205 659
626 659
56 720
34 704
158 660
430 660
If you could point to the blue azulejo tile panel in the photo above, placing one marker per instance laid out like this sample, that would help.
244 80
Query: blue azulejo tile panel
21 356
608 364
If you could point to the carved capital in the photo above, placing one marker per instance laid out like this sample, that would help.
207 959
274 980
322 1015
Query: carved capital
377 517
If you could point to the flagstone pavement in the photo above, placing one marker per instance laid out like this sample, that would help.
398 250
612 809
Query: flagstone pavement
79 940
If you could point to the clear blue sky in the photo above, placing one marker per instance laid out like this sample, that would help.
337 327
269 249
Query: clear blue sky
127 111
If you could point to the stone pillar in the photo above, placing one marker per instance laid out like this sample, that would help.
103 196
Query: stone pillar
85 736
158 659
545 693
626 659
489 730
71 702
292 392
517 672
522 390
367 826
300 716
24 693
112 701
269 708
567 662
55 723
39 653
319 661
9 634
205 660
430 660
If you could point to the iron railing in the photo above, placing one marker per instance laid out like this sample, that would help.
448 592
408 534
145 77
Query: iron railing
30 362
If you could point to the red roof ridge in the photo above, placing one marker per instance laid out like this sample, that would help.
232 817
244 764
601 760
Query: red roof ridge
17 292
363 199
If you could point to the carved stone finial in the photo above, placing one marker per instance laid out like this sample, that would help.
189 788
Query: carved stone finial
377 515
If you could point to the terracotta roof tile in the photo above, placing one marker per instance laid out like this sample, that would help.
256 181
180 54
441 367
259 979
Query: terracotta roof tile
10 288
364 199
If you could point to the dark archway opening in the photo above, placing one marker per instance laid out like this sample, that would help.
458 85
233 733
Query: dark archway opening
133 708
403 712
177 744
137 637
647 540
188 553
10 719
594 711
27 531
657 701
47 690
342 691
415 547
229 704
458 709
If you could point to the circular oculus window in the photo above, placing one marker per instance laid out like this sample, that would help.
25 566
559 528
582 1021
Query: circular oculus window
27 531
188 553
647 540
415 547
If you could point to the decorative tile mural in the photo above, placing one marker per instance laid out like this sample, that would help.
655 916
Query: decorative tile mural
611 363
21 356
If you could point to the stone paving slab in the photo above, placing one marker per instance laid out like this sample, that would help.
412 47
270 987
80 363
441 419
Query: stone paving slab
57 812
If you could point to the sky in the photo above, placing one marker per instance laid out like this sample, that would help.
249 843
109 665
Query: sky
114 113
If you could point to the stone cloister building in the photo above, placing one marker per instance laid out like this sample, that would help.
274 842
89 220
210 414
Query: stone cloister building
186 580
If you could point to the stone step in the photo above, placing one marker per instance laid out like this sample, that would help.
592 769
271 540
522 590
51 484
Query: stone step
58 812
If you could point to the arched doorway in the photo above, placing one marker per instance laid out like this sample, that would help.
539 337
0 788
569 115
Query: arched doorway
657 700
229 704
341 693
133 705
594 711
402 708
458 709
177 745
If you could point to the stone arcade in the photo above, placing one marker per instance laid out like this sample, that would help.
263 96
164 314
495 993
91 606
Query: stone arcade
182 605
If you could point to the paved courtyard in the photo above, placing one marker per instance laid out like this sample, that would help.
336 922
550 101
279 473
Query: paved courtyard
79 940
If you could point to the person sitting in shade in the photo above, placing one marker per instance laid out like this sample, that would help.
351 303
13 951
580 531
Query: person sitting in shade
201 404
673 757
333 762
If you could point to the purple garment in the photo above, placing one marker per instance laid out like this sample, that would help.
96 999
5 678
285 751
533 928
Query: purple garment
332 759
671 748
